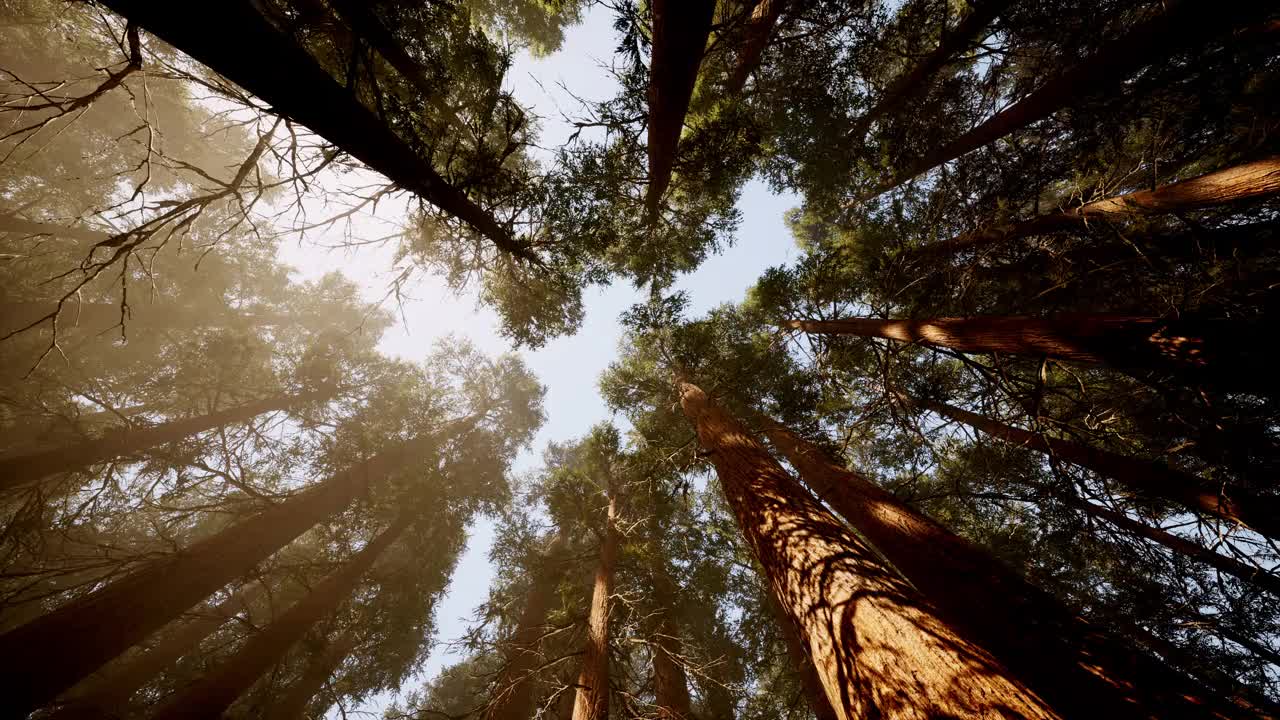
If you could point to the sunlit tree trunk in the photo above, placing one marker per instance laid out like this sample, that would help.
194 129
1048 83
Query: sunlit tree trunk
758 32
55 651
670 682
680 31
1146 478
27 469
293 705
592 699
809 680
879 649
512 697
214 692
1078 668
1221 354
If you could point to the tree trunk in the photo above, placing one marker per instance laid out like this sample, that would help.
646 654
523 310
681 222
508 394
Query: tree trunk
1241 183
1078 668
30 468
1219 354
809 680
1186 24
759 31
879 649
214 692
912 83
55 651
34 430
268 64
1147 478
592 699
513 695
18 226
294 704
670 683
108 695
680 31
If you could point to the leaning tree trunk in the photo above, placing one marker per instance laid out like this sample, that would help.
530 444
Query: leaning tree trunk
1079 669
1147 478
680 31
804 668
592 699
294 704
1186 24
759 31
1250 181
879 649
670 683
46 656
1220 354
30 468
213 693
512 697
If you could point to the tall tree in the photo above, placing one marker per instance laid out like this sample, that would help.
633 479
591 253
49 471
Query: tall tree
591 701
759 31
670 682
293 706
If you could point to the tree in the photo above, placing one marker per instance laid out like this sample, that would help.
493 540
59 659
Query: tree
592 697
293 705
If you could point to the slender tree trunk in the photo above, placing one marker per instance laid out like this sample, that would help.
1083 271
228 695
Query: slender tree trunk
1186 24
912 83
214 692
55 651
39 429
809 680
1258 179
294 704
592 699
268 64
670 683
758 33
108 695
1220 354
30 468
1079 669
879 649
513 695
680 31
1147 478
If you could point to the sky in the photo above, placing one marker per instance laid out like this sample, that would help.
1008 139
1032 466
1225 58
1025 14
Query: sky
568 366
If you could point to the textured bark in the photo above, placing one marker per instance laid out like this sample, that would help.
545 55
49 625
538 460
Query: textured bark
912 83
268 64
294 704
756 36
1079 669
1241 183
680 31
809 680
513 694
1147 478
30 468
214 692
51 653
592 699
879 649
1219 354
1185 24
670 683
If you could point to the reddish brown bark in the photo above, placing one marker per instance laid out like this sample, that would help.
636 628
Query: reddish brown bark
1077 668
1185 24
51 653
1219 354
879 649
512 698
1147 478
294 704
756 36
214 692
680 31
670 683
1241 183
30 468
592 699
809 681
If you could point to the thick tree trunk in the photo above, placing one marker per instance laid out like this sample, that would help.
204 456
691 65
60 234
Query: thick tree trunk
670 683
1241 183
680 31
32 431
912 83
1219 354
879 649
214 692
1079 669
512 698
1147 478
294 704
30 468
53 652
809 680
269 65
1186 24
592 699
756 36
